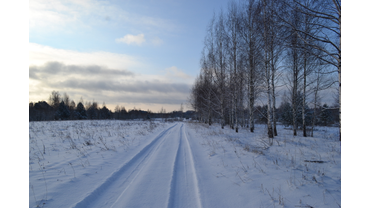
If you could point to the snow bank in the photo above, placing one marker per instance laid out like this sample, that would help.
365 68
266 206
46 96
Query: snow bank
294 172
67 159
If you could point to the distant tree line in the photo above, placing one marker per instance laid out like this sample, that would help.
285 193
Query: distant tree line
325 116
258 47
63 108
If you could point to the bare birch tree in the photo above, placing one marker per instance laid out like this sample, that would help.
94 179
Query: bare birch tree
266 34
293 60
245 48
249 29
232 35
328 25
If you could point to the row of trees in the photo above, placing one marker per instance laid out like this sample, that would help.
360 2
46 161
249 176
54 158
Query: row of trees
63 108
326 116
259 46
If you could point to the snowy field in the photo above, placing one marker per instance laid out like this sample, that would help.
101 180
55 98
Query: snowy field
179 164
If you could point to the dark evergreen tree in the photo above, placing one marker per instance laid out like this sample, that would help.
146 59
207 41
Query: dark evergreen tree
325 117
31 111
92 111
80 111
63 112
123 113
40 111
286 114
105 113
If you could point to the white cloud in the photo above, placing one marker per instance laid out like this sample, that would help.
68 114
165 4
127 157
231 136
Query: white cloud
66 15
52 15
116 79
40 54
93 82
132 39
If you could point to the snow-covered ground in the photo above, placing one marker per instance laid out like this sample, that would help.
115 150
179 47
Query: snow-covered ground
179 164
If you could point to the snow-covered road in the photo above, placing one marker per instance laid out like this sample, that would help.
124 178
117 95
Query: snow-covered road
162 174
183 164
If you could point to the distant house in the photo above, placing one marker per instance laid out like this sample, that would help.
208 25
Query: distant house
189 114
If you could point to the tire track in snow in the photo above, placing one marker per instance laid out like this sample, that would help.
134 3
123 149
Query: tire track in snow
184 191
194 172
132 166
151 186
138 173
174 184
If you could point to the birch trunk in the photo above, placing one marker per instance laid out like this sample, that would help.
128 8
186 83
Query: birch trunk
273 71
339 76
267 74
304 95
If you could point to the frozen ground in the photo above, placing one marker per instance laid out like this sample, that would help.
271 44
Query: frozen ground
157 164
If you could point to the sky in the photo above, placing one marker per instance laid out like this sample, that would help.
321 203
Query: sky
141 54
